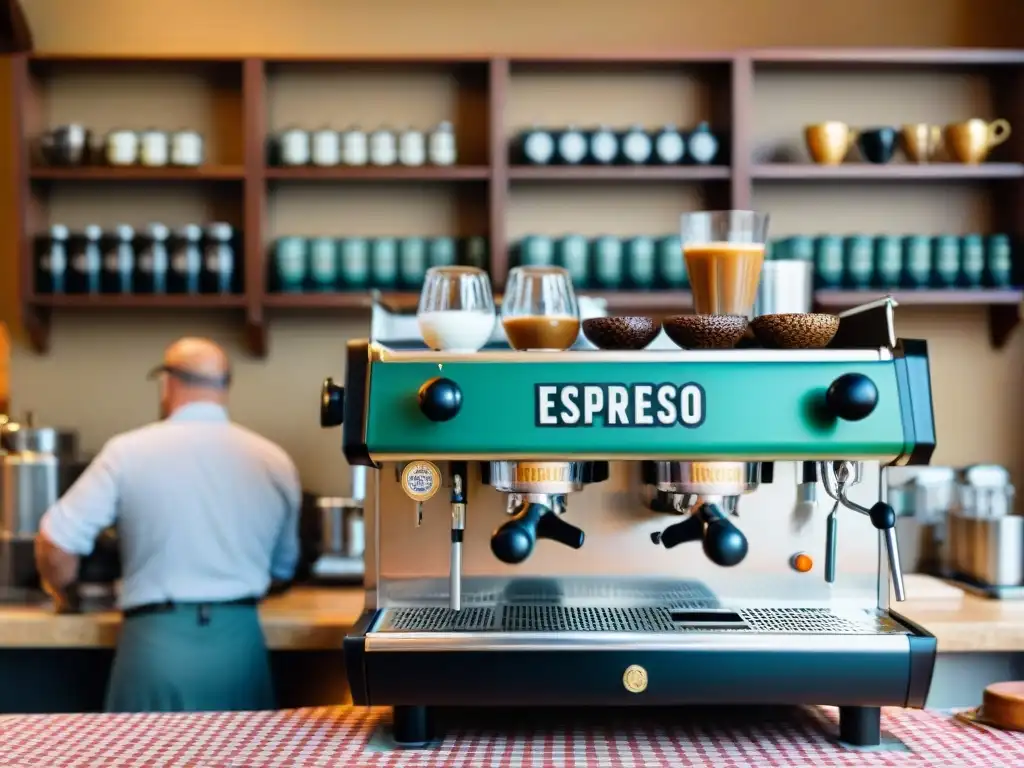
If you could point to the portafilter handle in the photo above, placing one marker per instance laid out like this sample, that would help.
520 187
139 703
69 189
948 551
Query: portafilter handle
513 541
723 543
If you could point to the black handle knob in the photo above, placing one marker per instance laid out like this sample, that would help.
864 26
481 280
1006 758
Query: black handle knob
440 399
513 541
882 516
852 397
723 543
332 404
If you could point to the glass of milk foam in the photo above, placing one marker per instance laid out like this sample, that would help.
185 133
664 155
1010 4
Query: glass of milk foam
456 311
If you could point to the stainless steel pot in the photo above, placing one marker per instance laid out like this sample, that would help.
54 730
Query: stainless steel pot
37 465
18 438
342 531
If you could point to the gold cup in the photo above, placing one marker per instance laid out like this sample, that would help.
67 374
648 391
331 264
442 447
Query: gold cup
829 142
971 141
920 141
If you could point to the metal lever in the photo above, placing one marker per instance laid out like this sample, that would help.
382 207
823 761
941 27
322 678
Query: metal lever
458 500
882 517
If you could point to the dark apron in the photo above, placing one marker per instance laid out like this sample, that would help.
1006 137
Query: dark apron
191 658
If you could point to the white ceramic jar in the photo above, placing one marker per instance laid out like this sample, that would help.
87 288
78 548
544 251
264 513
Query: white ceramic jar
122 147
187 148
383 147
154 148
326 148
293 147
355 147
441 149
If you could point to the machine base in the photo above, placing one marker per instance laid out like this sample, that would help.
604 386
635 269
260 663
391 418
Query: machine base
414 726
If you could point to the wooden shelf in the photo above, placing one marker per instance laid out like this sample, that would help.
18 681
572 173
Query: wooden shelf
137 173
376 173
116 301
482 102
619 173
838 299
352 301
888 172
901 57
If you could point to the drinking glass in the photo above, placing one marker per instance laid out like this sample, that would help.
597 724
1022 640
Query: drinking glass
539 311
724 251
456 310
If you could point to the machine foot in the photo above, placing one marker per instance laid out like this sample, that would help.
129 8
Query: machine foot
860 726
411 726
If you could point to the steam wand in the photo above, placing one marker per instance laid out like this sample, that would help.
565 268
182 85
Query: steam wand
882 517
458 501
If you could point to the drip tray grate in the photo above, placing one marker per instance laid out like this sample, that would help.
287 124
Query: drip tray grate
553 618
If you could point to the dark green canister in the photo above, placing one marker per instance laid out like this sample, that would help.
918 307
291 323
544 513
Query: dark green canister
355 263
441 252
323 264
473 252
384 262
536 251
572 254
607 260
999 261
888 261
972 260
800 248
640 263
412 262
828 261
946 260
670 264
858 261
917 261
290 261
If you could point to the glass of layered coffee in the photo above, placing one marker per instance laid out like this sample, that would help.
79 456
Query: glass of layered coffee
539 309
724 252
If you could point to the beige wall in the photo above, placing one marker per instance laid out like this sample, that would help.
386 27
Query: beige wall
93 378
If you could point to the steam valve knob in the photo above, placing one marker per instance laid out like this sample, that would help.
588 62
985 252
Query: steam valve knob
852 397
440 399
513 542
882 516
332 404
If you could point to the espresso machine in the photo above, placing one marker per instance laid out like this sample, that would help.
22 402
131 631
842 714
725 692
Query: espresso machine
604 528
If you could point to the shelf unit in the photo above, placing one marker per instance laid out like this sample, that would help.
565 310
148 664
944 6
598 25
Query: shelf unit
238 178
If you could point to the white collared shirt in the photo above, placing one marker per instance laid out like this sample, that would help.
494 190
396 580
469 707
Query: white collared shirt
206 510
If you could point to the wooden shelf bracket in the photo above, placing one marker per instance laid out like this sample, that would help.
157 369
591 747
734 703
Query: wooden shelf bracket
1003 319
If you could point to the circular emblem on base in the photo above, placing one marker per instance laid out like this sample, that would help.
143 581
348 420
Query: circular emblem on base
635 678
421 480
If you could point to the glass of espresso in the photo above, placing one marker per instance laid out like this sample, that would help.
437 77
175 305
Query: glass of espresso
539 310
724 252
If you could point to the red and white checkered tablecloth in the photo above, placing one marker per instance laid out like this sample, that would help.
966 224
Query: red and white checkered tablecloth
351 736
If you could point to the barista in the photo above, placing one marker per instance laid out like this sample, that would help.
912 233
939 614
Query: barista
207 514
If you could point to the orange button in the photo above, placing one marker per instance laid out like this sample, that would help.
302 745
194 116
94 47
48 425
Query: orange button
801 562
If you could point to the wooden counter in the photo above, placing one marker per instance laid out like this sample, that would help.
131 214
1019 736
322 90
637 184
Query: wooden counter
302 619
308 618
